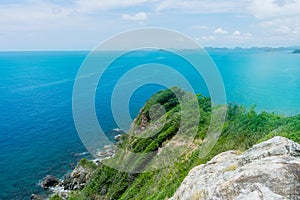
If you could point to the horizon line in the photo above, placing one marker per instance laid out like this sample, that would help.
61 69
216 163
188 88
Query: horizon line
89 50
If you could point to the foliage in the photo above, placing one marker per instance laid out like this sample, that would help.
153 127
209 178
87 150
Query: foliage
87 164
242 129
55 197
75 195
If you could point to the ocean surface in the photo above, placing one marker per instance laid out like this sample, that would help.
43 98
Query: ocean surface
37 132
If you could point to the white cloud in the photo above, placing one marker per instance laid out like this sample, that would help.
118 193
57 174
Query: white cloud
94 5
200 27
46 19
208 38
140 16
282 26
248 34
203 6
236 33
220 31
282 29
239 35
296 30
274 8
37 11
34 17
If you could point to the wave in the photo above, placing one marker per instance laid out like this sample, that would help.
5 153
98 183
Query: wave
53 83
43 85
81 154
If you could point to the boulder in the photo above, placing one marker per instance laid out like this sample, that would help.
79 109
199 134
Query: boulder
77 179
269 170
36 197
118 137
49 181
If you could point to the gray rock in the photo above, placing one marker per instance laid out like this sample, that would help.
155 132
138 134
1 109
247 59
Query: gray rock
118 137
269 170
77 179
49 181
36 197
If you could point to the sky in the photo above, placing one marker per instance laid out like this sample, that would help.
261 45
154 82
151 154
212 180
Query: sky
83 24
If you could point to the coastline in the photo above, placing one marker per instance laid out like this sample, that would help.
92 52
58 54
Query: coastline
88 181
39 143
80 175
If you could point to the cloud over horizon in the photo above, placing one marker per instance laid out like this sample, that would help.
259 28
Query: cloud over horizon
140 16
81 24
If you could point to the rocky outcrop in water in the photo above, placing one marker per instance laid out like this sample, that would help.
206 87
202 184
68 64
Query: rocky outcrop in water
36 197
269 170
49 181
77 179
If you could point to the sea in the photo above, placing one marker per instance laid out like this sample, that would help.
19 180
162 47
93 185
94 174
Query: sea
38 135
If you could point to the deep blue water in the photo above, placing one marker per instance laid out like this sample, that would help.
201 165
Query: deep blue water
37 132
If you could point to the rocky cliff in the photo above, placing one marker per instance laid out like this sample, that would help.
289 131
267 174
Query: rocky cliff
269 170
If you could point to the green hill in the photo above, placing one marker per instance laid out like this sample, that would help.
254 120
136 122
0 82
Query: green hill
242 129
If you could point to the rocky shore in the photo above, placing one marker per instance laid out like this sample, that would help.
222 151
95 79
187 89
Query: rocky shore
80 175
269 170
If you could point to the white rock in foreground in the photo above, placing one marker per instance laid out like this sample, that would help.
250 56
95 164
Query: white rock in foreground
269 170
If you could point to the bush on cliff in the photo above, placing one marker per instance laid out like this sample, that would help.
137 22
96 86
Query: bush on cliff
242 129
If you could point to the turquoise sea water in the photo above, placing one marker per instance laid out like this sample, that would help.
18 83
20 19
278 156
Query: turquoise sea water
37 132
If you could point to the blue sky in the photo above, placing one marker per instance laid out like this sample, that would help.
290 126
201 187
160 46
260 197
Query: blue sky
82 24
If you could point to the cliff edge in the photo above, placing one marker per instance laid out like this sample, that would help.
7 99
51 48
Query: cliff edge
269 170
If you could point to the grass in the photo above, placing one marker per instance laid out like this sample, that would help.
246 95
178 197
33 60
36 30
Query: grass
243 128
87 164
55 197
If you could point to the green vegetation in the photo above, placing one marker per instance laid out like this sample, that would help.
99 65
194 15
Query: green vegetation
242 129
87 164
55 197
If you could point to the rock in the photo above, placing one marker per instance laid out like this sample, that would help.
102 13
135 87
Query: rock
49 181
269 170
118 137
144 122
77 179
61 192
97 161
118 130
36 197
101 153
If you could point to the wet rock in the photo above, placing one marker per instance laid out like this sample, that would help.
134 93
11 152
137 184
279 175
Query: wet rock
118 137
49 181
36 197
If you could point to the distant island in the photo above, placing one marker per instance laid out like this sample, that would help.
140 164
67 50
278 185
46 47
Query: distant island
296 51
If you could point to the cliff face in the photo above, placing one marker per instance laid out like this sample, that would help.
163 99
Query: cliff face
269 170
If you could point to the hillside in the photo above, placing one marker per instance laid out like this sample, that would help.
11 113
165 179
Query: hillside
269 170
152 136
